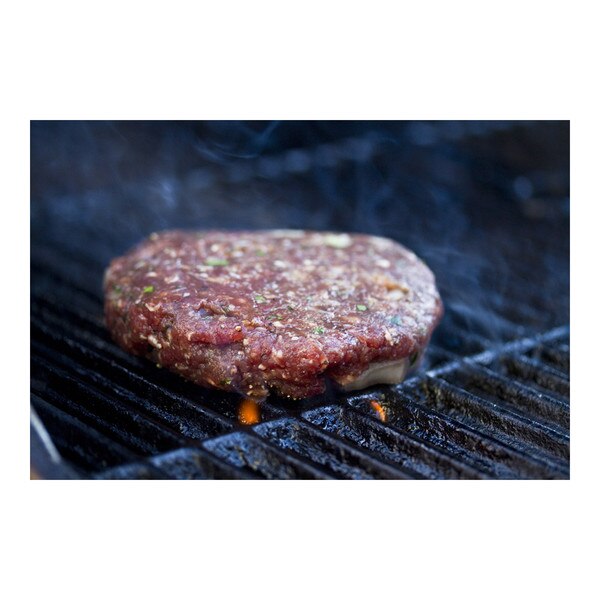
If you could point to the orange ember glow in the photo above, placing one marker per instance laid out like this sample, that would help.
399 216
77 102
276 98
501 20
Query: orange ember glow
379 410
249 412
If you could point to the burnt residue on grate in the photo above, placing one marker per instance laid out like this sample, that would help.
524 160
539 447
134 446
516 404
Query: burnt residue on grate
492 398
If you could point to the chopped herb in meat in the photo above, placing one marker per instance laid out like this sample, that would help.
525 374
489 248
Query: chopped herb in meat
216 262
320 306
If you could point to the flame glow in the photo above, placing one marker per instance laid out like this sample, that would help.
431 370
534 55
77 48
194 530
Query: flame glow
249 412
379 410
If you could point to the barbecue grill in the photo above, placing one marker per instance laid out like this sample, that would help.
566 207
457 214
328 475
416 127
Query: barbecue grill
485 204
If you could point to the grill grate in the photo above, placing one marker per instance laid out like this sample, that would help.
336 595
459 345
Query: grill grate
492 401
497 414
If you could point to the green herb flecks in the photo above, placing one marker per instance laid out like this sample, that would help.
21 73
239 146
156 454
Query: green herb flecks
148 289
319 330
361 307
225 382
117 289
396 320
260 252
259 299
216 262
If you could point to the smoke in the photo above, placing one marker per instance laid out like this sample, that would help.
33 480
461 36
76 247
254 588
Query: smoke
485 204
226 140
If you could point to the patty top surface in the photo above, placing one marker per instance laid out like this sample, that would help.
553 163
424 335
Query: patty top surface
279 309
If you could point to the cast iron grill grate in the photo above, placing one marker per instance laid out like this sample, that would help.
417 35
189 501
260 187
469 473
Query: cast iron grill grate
492 400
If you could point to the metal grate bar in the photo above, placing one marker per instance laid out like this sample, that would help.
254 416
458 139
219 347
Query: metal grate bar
182 416
83 445
466 444
515 396
557 357
396 447
527 369
249 452
187 463
342 459
135 470
98 410
197 463
501 423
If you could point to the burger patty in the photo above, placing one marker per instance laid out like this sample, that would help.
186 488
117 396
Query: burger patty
280 310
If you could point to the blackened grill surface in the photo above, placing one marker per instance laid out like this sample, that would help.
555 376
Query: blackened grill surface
485 204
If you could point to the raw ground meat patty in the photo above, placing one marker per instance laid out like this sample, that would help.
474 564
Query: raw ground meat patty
280 310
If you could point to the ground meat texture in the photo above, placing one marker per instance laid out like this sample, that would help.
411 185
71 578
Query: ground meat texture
280 310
